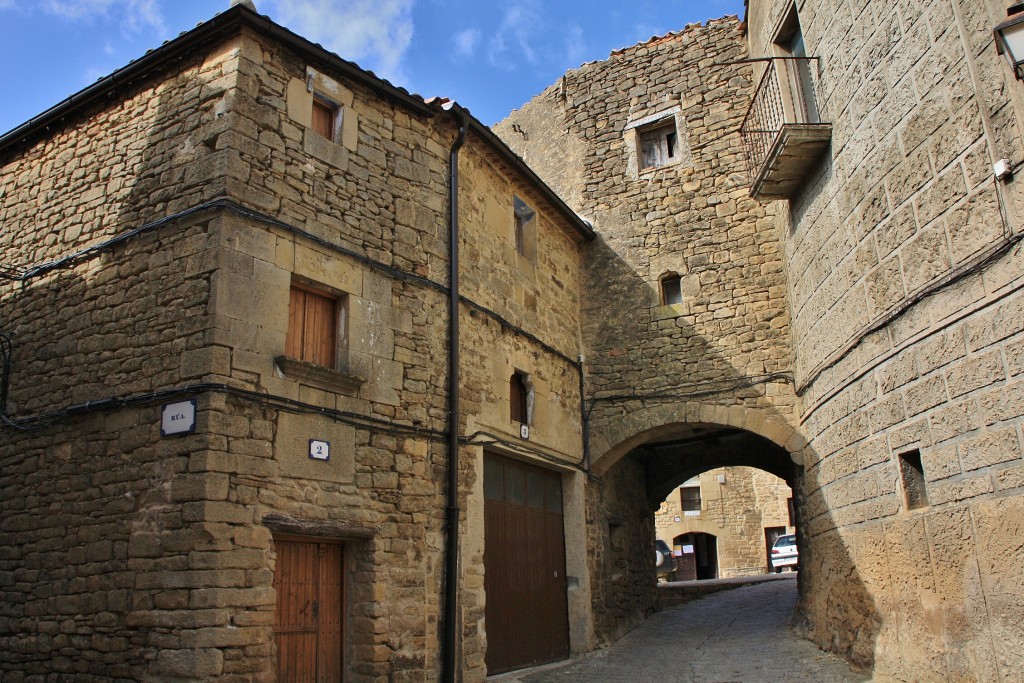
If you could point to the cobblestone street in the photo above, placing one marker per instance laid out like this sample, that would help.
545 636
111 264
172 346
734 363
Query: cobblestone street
734 636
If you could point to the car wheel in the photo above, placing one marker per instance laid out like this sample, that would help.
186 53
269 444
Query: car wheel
778 570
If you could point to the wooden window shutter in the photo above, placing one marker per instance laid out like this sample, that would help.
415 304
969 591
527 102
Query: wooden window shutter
312 327
323 118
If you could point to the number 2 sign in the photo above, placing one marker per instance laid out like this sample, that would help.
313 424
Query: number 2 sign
319 450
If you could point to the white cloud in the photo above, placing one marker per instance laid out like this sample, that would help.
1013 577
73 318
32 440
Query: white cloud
521 28
575 46
135 15
373 33
466 41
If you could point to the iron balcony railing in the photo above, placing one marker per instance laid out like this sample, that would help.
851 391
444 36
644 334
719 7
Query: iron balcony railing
785 95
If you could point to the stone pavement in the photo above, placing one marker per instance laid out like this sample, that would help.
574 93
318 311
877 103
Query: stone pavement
734 636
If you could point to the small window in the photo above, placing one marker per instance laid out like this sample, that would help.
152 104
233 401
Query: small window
671 289
659 145
690 497
517 393
324 117
313 317
525 227
912 478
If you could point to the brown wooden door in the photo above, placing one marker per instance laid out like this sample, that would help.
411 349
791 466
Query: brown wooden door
309 621
524 566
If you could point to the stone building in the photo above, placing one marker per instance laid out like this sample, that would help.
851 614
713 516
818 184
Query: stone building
233 414
821 259
723 522
227 343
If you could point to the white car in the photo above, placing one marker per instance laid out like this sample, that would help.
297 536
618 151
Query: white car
784 553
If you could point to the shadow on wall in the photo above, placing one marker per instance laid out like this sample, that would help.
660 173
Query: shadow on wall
669 403
98 520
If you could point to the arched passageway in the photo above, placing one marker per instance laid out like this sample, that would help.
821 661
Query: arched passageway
635 477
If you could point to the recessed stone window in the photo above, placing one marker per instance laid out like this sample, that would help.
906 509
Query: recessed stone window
316 348
325 118
671 289
659 145
915 493
689 497
314 316
656 141
518 397
325 109
525 225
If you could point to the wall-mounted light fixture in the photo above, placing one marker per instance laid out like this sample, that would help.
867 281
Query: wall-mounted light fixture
1010 38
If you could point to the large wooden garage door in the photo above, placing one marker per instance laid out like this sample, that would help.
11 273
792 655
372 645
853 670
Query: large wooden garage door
308 621
524 564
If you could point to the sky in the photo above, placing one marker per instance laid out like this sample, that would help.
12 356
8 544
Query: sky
491 56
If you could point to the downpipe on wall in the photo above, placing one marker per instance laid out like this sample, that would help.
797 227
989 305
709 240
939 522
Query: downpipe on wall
451 572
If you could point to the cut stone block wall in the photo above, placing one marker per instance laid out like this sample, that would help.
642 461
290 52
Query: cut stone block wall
904 274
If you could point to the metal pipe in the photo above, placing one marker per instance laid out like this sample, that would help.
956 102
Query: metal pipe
451 572
584 417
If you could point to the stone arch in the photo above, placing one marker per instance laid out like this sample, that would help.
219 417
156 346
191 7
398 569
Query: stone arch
668 421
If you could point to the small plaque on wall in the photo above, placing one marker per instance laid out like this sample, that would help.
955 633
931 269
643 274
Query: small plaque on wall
319 450
178 418
524 431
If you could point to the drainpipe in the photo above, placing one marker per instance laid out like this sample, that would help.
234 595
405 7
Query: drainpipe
451 572
584 416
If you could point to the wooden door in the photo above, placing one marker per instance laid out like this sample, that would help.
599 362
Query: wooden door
308 621
524 566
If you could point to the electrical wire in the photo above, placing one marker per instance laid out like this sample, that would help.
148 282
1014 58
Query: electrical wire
25 273
273 401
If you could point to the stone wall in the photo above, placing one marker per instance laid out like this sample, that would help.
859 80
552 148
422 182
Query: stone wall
905 275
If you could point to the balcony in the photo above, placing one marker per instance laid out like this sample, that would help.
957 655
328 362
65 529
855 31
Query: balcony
782 134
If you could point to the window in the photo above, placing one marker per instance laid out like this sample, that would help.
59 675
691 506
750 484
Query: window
659 145
790 43
517 395
912 478
325 115
525 227
671 289
690 498
313 324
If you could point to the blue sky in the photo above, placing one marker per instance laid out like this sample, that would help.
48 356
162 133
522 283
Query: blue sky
489 55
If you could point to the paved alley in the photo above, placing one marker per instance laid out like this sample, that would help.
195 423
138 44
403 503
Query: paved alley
734 636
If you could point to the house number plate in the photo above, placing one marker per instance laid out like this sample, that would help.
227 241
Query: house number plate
319 450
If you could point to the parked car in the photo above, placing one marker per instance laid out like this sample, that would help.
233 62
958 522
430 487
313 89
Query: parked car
664 560
784 553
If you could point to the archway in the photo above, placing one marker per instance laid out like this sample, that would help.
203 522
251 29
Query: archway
636 474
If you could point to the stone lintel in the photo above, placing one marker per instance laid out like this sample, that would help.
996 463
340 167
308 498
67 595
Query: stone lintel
320 528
